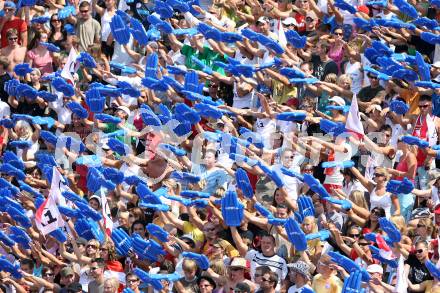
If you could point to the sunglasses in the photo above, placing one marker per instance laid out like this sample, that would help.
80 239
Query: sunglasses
421 226
257 275
12 39
354 235
49 274
424 106
372 76
419 250
8 9
338 34
209 230
376 212
94 268
92 246
363 243
308 19
378 175
266 280
55 20
132 281
83 11
234 269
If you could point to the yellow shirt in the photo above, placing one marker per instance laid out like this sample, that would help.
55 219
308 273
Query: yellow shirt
332 285
282 93
411 97
197 235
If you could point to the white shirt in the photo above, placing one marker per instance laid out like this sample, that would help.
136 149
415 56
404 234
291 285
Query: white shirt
275 263
290 183
5 110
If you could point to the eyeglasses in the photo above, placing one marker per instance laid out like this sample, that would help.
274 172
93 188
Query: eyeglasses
132 281
354 235
420 250
83 11
92 246
13 39
424 106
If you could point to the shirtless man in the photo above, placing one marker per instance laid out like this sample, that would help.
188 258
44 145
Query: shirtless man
13 51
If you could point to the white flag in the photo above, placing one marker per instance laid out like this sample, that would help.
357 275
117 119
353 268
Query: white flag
281 35
71 66
354 123
48 217
106 215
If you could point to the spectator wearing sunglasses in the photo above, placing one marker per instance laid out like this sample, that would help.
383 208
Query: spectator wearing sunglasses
415 264
10 21
374 93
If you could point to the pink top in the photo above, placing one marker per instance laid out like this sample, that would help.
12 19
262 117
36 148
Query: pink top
43 63
337 55
403 167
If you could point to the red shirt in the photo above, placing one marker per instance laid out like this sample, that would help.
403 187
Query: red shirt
18 24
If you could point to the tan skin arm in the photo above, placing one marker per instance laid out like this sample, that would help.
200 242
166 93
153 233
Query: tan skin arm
364 181
241 246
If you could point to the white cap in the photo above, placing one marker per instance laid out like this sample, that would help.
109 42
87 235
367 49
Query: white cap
290 20
375 268
263 19
338 100
125 109
436 64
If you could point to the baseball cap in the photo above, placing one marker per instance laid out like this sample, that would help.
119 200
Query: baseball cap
312 15
289 21
125 109
66 271
436 64
364 9
188 237
81 241
262 19
375 268
9 4
338 100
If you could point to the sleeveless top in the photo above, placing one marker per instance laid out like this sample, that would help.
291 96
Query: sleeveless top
383 201
403 167
425 130
105 25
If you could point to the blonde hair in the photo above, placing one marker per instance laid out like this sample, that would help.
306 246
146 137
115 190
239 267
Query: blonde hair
27 126
331 77
189 265
310 219
399 222
428 224
113 282
345 77
357 197
218 266
383 171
